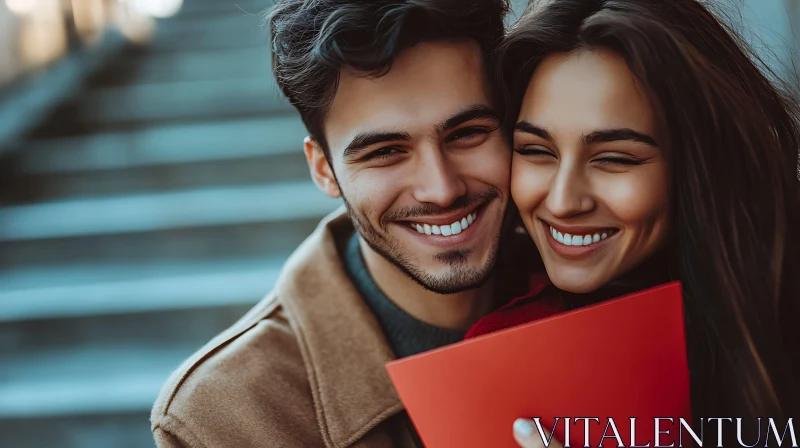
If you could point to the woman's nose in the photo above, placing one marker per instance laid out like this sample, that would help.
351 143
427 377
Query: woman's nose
569 193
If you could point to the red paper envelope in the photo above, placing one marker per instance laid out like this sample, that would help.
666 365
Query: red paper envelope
618 359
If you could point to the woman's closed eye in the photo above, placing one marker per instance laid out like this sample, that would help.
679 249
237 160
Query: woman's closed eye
618 159
611 159
535 150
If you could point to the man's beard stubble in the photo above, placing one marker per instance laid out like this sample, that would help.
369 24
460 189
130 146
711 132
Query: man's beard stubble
460 277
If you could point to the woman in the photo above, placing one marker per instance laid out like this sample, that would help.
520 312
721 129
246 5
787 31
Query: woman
648 148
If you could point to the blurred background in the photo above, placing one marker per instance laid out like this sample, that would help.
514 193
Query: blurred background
152 183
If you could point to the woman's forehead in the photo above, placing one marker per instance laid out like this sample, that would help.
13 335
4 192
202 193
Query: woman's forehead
586 90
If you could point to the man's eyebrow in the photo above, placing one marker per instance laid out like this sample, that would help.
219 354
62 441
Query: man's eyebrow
366 139
471 112
613 135
528 128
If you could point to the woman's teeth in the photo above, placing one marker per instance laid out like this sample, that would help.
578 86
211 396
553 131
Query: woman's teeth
446 230
577 240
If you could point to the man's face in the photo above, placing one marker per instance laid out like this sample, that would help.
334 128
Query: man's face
422 165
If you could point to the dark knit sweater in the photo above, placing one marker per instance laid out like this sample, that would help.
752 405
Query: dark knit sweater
406 335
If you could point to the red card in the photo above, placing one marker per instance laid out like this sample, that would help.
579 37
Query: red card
614 360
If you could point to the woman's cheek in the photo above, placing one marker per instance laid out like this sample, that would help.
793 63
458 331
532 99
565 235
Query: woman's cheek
636 197
529 185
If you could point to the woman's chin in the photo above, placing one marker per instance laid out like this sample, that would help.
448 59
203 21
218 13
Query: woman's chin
579 282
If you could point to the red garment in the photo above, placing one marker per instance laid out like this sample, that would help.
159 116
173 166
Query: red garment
538 303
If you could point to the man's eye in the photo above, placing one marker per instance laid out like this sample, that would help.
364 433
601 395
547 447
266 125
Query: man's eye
382 153
467 134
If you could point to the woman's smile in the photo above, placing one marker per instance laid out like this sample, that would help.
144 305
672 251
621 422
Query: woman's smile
577 241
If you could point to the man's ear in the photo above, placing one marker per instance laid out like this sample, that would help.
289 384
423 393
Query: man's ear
321 170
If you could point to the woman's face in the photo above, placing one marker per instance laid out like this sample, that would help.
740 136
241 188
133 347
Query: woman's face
588 175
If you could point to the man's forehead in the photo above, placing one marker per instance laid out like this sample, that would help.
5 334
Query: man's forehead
427 84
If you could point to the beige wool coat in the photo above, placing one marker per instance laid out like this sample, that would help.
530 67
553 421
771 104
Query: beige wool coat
304 368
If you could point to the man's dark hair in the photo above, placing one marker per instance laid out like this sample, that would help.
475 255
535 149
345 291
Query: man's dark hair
312 40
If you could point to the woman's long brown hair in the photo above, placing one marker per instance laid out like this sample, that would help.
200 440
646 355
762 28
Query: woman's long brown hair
731 138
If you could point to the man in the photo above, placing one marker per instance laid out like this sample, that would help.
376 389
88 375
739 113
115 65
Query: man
403 127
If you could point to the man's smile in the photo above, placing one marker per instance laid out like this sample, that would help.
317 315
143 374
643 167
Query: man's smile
449 230
440 226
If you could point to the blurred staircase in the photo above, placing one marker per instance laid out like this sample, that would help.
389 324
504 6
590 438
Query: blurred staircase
142 218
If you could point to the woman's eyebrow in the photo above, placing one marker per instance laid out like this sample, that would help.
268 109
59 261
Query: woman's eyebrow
613 135
529 128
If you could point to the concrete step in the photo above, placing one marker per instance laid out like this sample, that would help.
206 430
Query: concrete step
234 30
231 19
199 9
70 291
251 171
211 141
141 67
88 380
144 105
287 201
188 327
225 241
221 222
127 430
28 101
160 158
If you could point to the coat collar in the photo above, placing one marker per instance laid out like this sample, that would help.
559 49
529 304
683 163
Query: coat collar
343 347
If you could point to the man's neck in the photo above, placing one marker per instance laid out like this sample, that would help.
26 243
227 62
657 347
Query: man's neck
453 311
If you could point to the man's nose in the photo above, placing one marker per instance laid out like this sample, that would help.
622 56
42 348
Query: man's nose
570 193
437 181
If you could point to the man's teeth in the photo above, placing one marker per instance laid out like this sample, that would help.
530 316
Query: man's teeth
446 230
577 240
